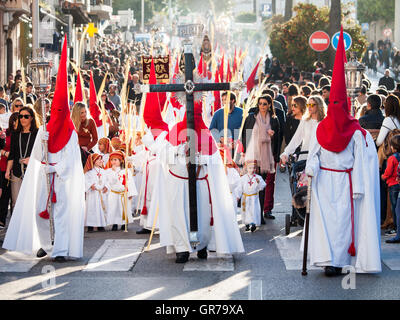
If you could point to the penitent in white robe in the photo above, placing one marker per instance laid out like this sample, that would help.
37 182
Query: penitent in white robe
138 161
248 189
172 192
27 231
96 200
116 202
330 212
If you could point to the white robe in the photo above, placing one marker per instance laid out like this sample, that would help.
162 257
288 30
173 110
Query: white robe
27 231
330 217
138 162
116 203
234 185
173 201
95 199
250 204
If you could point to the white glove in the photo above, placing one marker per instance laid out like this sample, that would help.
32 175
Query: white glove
357 196
45 136
148 139
49 169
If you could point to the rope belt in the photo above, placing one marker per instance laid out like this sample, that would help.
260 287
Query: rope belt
101 201
245 195
352 249
209 190
122 194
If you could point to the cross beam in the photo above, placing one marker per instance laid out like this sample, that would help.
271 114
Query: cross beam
189 87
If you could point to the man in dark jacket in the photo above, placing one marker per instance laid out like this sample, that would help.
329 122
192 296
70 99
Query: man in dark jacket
387 81
373 118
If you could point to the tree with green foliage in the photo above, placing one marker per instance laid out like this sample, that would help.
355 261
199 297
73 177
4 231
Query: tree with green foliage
289 41
372 10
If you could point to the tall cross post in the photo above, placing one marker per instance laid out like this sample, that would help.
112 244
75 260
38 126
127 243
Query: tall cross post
189 87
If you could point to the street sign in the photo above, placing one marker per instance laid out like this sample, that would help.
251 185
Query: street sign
348 41
190 30
319 41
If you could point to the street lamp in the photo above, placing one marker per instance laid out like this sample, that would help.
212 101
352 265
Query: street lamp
41 69
354 76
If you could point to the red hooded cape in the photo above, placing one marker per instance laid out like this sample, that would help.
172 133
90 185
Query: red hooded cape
60 126
93 106
78 91
335 131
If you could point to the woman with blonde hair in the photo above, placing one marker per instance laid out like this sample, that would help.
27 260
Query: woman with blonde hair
315 113
86 129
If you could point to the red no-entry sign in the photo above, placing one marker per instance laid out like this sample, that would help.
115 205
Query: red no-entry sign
319 41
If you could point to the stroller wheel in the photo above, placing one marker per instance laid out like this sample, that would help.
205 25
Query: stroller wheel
287 224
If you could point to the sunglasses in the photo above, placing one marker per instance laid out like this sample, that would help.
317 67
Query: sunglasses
25 116
262 104
294 105
310 105
18 105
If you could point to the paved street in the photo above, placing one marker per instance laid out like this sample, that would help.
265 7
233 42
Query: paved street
116 265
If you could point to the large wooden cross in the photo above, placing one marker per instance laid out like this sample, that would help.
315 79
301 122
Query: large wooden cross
189 87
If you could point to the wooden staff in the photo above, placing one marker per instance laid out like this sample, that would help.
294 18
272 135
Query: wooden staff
307 227
226 115
153 228
103 109
23 83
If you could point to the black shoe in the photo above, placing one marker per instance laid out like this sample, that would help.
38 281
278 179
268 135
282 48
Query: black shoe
143 231
123 228
90 229
247 227
268 215
114 227
182 257
101 229
59 259
41 253
394 240
332 271
202 254
262 220
253 227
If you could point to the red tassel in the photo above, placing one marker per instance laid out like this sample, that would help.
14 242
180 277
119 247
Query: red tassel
212 221
144 211
54 198
44 214
352 250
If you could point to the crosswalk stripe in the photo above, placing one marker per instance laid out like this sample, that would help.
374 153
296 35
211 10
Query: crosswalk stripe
17 262
116 255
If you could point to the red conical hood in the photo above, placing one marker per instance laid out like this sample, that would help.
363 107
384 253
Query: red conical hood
205 143
93 106
60 126
152 111
335 131
78 89
251 81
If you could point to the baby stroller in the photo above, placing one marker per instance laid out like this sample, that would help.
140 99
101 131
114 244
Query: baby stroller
298 189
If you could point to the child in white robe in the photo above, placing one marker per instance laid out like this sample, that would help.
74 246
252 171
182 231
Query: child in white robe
96 193
118 211
250 185
105 149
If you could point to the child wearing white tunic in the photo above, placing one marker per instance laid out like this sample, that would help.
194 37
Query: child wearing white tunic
250 185
105 149
119 211
96 193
